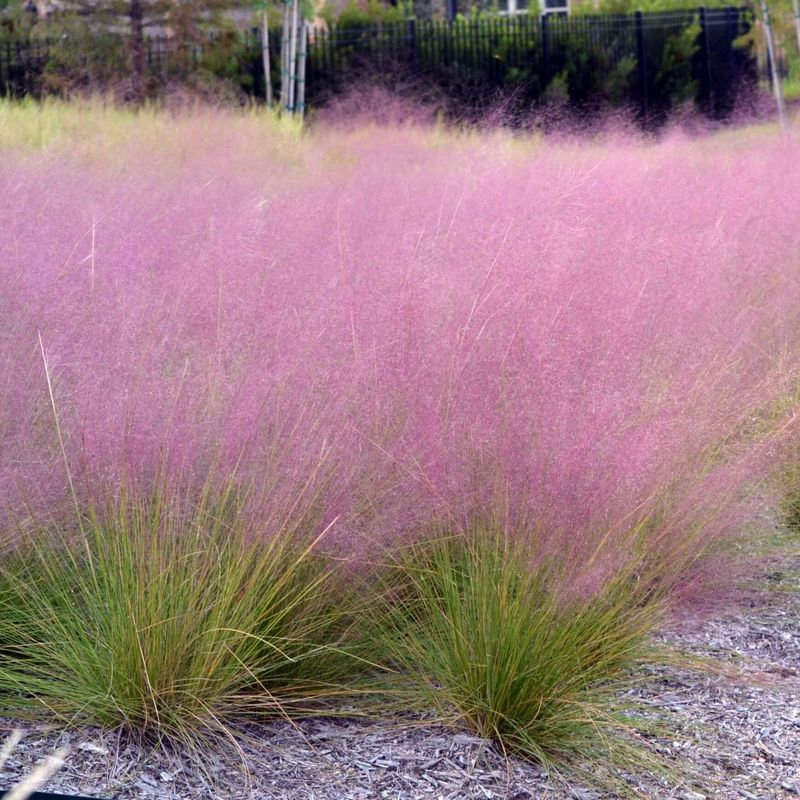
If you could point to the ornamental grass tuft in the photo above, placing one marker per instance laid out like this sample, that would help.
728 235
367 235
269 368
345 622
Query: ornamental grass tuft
476 626
173 615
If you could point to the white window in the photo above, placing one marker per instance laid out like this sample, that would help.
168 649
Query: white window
555 6
513 6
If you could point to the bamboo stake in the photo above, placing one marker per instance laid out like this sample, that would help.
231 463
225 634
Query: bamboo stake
301 70
265 57
776 80
285 58
293 55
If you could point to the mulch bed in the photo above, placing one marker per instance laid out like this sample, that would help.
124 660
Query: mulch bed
734 733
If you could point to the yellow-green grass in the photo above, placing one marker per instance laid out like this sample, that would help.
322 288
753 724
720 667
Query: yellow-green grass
98 126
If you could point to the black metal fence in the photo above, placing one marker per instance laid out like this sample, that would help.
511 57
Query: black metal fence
651 61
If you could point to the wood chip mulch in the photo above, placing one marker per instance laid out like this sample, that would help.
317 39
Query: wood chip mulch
735 734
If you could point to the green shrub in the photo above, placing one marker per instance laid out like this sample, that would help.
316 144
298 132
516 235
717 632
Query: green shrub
372 12
82 57
674 81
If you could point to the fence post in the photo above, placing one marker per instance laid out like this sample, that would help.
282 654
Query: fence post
412 40
706 60
545 51
640 60
452 10
4 87
731 31
22 66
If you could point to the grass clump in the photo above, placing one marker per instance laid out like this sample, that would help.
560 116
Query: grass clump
789 487
173 616
481 629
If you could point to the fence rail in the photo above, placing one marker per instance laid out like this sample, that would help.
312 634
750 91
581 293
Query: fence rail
649 60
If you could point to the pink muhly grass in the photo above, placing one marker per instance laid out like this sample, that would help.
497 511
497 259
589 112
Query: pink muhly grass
585 331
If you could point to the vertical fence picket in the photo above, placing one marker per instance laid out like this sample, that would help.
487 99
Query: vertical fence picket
5 79
731 32
641 62
545 50
452 9
474 51
706 56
